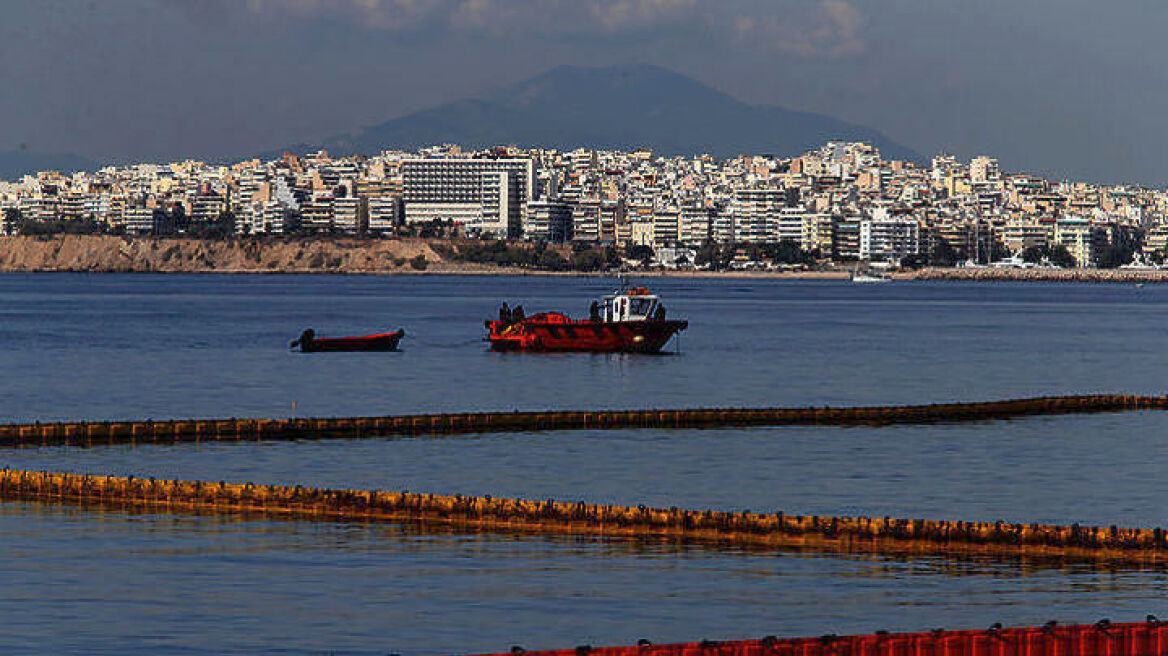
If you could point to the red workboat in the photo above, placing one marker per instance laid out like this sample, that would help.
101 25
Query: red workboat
310 343
628 321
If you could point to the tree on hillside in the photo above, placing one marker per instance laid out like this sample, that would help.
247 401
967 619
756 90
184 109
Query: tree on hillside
711 253
222 227
178 217
1058 255
943 254
641 253
913 261
588 260
998 251
1061 257
550 260
595 259
225 224
83 226
1114 255
788 251
1034 254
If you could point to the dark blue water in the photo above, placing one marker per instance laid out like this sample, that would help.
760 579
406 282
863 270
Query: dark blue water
112 346
1095 470
116 583
79 581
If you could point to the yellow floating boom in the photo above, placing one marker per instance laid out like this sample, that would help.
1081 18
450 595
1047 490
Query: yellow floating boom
746 529
90 433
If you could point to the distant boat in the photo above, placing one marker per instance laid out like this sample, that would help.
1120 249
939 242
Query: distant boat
870 276
310 343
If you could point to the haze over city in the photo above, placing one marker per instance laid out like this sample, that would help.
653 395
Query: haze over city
1064 89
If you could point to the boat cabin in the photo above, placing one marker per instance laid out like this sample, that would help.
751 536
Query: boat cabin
635 304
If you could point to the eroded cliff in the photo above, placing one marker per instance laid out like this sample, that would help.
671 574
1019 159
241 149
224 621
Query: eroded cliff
140 254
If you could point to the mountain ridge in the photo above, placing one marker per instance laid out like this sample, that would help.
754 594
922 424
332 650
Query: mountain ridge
616 107
17 163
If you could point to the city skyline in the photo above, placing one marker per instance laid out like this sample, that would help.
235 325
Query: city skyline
843 201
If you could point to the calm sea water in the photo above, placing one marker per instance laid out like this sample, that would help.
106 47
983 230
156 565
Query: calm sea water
110 346
136 346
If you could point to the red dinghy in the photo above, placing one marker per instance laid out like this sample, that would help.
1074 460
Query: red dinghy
631 321
310 343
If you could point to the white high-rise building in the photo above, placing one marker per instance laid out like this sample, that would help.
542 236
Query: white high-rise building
889 238
485 196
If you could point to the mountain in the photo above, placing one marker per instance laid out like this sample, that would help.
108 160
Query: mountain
620 107
17 163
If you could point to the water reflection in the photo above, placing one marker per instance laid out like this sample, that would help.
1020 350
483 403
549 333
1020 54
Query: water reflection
421 535
84 581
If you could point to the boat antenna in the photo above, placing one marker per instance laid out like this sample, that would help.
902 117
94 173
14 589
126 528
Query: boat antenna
622 280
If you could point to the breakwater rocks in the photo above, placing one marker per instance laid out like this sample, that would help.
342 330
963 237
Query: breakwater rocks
746 529
194 430
100 254
1041 275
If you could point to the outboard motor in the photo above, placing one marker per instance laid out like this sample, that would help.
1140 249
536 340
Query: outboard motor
304 341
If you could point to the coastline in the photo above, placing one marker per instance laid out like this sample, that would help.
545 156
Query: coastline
351 256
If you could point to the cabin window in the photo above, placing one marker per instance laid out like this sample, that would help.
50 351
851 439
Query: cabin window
642 306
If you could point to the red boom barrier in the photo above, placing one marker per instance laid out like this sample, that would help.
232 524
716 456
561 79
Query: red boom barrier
1102 639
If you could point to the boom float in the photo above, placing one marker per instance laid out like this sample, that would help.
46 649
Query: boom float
1100 639
85 433
744 529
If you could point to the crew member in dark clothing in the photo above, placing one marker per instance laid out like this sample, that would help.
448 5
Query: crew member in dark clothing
659 315
517 314
505 313
594 311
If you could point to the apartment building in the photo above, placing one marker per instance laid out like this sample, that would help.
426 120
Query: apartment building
485 196
549 220
1083 240
756 214
694 223
889 238
385 214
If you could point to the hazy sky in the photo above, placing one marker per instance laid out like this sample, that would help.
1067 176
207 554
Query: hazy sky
1066 87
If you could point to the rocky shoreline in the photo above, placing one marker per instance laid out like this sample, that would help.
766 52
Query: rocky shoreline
113 254
1041 275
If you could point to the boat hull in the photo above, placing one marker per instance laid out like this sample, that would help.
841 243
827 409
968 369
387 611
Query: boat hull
378 342
537 335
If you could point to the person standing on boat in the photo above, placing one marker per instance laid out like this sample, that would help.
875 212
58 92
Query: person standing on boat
594 311
505 314
517 314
